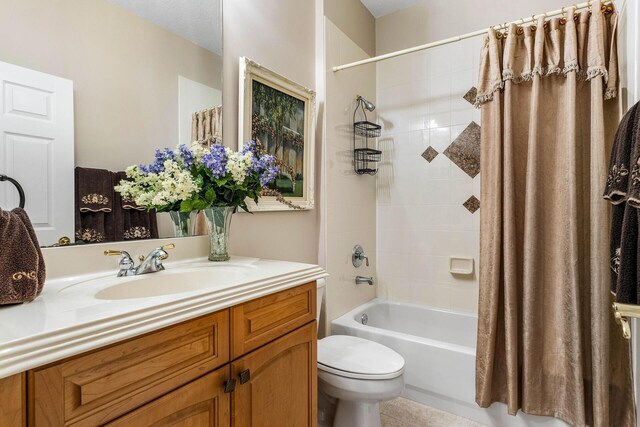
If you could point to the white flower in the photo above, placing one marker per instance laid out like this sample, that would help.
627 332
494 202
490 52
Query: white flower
238 164
172 185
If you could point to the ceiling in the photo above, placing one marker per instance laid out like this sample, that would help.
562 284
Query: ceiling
199 21
380 8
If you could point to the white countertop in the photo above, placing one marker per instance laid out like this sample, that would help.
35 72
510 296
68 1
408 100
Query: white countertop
67 319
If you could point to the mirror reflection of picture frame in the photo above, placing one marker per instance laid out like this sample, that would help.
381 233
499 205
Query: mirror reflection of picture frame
280 115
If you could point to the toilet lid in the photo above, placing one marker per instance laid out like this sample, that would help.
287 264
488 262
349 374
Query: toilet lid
355 357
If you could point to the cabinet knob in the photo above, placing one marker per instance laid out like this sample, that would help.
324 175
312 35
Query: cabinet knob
229 385
245 376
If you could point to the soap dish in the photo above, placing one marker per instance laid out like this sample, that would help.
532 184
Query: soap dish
462 266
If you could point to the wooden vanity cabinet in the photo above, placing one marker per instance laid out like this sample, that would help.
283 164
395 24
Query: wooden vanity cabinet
253 364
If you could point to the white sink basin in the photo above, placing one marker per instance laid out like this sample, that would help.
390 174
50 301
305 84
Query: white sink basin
163 283
171 282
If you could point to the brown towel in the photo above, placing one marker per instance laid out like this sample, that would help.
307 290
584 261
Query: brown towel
623 191
131 221
93 226
94 190
22 269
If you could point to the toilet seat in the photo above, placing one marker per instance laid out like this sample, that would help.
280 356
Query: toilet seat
358 358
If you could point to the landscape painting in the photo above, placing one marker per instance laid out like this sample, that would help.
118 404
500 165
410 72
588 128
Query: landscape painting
277 124
279 115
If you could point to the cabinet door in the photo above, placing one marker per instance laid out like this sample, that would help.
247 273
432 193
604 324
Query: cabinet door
12 401
276 384
201 403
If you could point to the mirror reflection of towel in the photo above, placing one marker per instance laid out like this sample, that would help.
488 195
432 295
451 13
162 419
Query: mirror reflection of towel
22 268
132 221
125 221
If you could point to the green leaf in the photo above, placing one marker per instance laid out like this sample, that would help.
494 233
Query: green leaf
210 195
186 206
200 204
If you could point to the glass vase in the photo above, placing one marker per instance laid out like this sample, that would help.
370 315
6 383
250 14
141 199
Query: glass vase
184 223
219 223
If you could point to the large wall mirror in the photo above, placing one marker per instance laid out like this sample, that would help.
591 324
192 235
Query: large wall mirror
90 87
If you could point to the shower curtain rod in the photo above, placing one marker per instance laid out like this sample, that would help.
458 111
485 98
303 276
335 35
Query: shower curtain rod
533 18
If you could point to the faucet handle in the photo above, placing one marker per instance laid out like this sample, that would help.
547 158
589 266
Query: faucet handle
357 255
126 262
113 253
164 249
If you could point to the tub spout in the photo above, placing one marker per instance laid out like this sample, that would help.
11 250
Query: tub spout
362 279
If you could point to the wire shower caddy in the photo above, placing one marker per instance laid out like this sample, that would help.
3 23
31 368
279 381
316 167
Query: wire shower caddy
365 156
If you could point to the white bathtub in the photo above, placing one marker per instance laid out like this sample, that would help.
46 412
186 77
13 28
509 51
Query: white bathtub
439 349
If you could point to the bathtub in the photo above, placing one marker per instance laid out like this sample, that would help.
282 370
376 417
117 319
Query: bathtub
439 350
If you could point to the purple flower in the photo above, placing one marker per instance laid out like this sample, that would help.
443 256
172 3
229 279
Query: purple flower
158 165
266 166
216 160
186 155
249 146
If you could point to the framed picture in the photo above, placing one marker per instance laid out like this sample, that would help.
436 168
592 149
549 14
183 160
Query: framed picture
280 116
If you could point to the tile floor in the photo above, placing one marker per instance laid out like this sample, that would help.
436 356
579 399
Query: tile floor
402 412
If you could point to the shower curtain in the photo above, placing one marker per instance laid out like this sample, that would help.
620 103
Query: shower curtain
547 341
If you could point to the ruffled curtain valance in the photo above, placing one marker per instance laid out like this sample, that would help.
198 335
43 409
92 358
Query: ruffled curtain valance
206 126
585 45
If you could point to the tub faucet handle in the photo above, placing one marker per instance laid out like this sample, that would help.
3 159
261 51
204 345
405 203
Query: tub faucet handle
357 255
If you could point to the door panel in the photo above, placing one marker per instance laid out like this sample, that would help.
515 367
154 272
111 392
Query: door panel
37 148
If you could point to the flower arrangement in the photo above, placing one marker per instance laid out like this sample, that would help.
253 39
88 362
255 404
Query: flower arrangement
196 177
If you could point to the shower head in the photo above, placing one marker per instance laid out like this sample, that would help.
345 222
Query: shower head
368 105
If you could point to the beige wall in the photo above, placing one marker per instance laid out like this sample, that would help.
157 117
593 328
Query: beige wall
279 34
431 20
351 198
355 20
124 68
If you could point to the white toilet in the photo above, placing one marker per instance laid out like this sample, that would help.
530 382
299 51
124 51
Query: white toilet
354 376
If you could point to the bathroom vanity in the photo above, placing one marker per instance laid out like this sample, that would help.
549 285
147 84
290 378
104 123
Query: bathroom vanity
251 361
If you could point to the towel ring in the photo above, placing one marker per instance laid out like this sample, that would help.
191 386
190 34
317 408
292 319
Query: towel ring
18 187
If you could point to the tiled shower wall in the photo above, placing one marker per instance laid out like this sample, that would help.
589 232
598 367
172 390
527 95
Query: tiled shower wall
428 185
351 199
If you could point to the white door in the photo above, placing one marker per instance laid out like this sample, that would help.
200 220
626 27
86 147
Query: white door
36 148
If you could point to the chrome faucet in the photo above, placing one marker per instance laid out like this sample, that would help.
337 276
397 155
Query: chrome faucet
362 280
150 264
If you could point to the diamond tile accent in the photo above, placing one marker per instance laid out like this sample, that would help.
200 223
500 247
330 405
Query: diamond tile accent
464 151
472 204
429 154
471 94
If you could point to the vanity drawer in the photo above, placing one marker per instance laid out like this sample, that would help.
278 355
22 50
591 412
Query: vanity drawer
262 320
100 386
